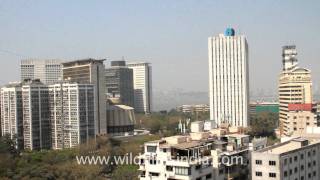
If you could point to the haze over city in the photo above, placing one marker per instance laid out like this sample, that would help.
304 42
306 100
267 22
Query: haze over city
160 90
171 35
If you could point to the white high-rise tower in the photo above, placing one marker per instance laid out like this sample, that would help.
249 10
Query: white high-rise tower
142 85
48 71
229 78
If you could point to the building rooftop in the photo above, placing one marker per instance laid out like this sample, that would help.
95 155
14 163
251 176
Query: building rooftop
40 61
137 63
124 107
82 61
237 135
188 145
288 146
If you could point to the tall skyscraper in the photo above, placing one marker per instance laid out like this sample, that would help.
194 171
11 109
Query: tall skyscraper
48 71
71 113
90 71
295 86
119 83
36 123
228 78
142 85
11 112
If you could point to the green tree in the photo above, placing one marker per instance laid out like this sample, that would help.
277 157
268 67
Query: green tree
126 172
263 124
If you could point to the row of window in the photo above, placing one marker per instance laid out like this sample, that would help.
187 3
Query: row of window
295 158
286 174
271 175
271 163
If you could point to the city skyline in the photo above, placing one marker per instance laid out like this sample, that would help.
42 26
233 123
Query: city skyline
180 46
160 90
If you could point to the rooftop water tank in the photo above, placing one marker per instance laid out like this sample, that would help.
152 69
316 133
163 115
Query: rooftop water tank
229 32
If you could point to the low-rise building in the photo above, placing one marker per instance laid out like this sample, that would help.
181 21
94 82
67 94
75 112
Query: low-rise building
259 107
193 108
197 126
197 156
298 119
294 159
121 120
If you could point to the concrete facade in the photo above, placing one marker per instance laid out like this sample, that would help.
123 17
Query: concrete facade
229 79
48 71
142 85
93 72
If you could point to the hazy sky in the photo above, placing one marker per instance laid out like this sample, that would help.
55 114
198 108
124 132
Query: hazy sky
172 35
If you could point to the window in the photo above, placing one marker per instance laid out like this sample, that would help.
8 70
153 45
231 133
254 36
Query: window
272 163
302 167
301 156
259 162
153 174
295 170
169 168
198 167
258 173
152 161
209 176
182 171
164 150
285 161
295 158
151 149
272 175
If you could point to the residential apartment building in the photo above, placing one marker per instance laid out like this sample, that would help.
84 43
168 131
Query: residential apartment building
11 112
294 159
229 78
90 71
299 118
295 85
48 71
119 83
197 156
142 85
36 122
71 113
